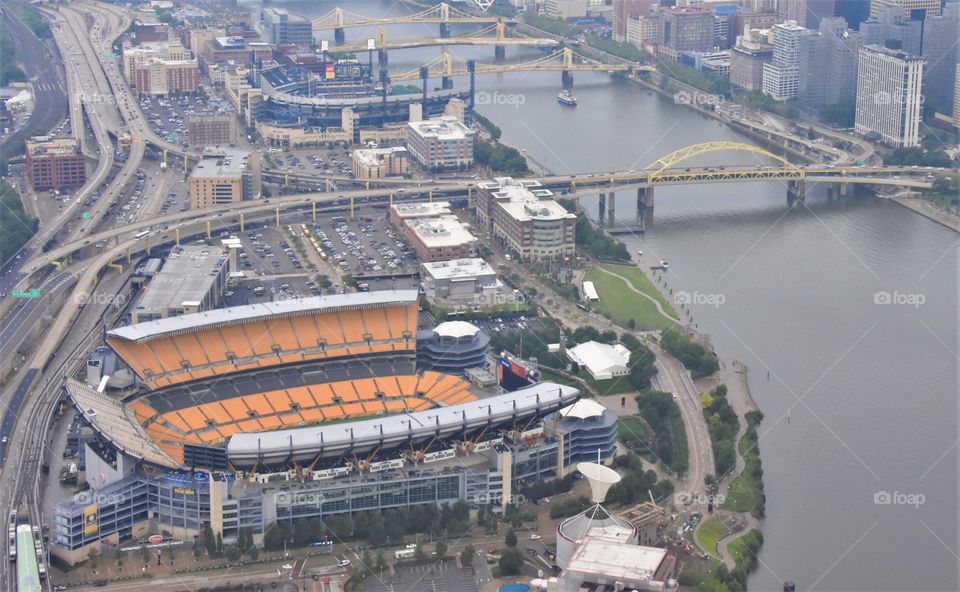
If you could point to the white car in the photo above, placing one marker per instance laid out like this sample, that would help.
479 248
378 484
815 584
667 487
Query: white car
535 537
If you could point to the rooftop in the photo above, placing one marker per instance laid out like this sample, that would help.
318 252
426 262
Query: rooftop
441 231
525 199
185 277
442 128
599 357
617 561
421 210
47 146
457 268
221 162
456 329
245 313
376 156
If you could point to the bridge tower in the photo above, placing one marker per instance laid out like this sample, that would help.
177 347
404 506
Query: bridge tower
424 76
566 76
444 20
447 79
339 36
384 84
500 50
612 211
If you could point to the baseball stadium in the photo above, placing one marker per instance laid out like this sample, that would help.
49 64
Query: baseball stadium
239 417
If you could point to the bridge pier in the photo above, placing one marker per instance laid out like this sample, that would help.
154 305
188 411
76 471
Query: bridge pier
796 190
444 30
446 82
602 208
339 36
566 78
499 52
382 58
612 212
844 189
644 198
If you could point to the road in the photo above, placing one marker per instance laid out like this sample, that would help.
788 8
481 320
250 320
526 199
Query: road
50 99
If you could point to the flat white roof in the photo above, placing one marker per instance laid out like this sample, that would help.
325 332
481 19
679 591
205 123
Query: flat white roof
221 163
599 357
583 409
590 291
421 209
249 312
184 280
441 231
458 268
525 200
616 561
375 156
441 128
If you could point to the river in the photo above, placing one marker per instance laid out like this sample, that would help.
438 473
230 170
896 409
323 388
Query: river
860 397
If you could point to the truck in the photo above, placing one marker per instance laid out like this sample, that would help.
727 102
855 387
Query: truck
405 553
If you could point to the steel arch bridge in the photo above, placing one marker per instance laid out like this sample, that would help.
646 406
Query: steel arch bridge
667 164
495 34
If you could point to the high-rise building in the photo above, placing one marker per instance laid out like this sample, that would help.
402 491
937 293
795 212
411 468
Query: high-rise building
280 27
440 143
781 75
889 95
828 64
566 9
747 58
891 29
643 29
807 13
685 29
54 163
910 9
623 10
956 96
942 51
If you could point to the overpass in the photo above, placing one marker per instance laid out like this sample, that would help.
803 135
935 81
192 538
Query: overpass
442 14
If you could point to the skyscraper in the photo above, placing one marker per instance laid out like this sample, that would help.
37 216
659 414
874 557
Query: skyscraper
890 28
941 47
685 29
828 64
807 13
889 95
623 10
910 9
781 76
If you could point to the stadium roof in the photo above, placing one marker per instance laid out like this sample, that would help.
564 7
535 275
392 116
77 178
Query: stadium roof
583 409
394 430
456 329
238 314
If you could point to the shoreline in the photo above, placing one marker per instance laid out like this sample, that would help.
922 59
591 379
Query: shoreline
921 206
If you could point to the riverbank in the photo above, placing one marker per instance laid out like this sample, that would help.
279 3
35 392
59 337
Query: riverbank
921 206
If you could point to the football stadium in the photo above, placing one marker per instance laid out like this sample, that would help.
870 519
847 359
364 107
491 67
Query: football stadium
244 416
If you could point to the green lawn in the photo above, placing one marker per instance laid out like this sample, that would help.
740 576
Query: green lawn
710 533
622 304
631 428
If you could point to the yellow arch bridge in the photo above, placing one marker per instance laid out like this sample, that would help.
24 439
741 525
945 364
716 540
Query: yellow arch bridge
442 14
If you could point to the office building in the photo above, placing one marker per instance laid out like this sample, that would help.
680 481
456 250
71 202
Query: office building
54 163
162 77
440 143
806 13
828 65
889 95
401 211
747 58
523 216
439 238
565 9
890 28
211 129
458 278
910 9
191 280
224 176
942 51
134 55
781 75
238 50
280 27
623 11
377 163
150 32
685 29
642 30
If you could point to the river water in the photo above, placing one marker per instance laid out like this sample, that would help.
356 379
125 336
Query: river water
860 396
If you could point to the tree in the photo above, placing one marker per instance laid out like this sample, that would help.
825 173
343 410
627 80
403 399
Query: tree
232 553
510 562
144 554
419 554
209 540
467 555
219 543
93 558
511 539
441 549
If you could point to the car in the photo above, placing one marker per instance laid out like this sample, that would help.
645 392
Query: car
535 537
531 552
3 440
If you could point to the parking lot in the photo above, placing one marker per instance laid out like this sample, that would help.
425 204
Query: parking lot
328 162
367 245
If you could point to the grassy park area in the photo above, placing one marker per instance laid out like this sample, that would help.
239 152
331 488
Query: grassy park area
710 533
620 301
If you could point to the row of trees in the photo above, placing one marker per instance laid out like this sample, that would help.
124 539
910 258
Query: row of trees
697 359
636 483
723 424
500 158
593 242
663 416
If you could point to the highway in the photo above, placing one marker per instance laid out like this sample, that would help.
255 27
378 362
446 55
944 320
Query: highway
50 100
